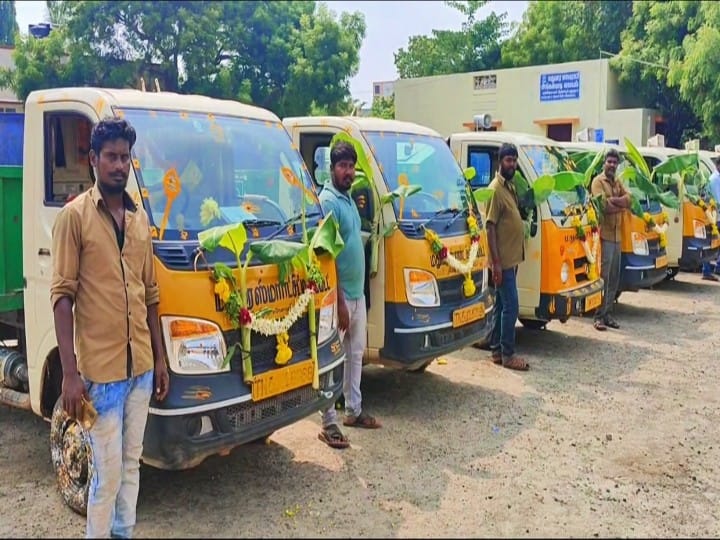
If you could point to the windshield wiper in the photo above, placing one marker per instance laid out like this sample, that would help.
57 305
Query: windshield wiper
289 221
463 212
453 211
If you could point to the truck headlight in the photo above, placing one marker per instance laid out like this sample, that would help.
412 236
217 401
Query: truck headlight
699 230
328 316
640 244
421 288
193 346
564 272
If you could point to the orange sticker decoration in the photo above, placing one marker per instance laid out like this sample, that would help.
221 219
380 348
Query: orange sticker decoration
153 232
136 163
255 232
183 235
250 207
414 213
184 115
294 181
217 132
172 188
100 106
119 113
403 180
145 193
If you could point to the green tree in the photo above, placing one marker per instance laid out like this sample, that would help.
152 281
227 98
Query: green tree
8 23
566 31
697 74
475 47
652 40
285 56
383 107
59 12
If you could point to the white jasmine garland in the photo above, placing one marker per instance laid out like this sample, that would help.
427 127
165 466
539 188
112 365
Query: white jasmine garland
273 327
464 267
661 229
591 254
711 215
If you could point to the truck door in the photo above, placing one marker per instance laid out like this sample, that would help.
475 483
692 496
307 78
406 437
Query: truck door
484 157
314 145
56 169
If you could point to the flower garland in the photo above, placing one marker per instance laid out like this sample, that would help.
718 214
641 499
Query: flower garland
591 251
661 230
710 212
464 268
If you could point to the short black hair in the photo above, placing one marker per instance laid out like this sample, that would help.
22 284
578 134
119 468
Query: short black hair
341 151
111 129
507 149
612 153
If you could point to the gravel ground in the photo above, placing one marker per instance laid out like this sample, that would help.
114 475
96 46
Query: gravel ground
608 434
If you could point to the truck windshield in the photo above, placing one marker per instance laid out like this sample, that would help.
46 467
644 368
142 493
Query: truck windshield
426 161
228 170
550 160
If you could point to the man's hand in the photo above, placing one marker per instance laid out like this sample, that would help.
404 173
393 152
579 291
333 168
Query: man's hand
162 380
73 392
343 316
497 273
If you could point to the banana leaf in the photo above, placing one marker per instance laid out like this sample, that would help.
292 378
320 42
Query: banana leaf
636 158
362 160
568 180
469 173
222 270
669 199
677 164
583 160
522 186
635 206
361 182
483 195
542 188
400 192
591 169
231 237
276 251
327 236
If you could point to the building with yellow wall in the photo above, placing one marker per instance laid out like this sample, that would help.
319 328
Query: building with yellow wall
569 101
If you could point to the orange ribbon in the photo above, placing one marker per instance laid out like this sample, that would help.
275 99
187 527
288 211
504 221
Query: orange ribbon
172 188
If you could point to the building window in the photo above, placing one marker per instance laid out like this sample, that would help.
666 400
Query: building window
485 82
377 89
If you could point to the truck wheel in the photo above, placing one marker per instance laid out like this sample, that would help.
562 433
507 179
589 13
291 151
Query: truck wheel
670 273
422 367
534 324
71 458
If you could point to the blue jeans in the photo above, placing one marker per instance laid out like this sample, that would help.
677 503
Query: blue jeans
506 314
116 440
707 270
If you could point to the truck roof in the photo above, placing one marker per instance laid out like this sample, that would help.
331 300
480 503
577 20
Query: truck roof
592 145
506 136
363 123
130 98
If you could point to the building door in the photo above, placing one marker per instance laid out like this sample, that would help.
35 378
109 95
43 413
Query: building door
560 132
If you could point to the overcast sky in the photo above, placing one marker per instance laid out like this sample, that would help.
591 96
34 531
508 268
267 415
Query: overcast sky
389 26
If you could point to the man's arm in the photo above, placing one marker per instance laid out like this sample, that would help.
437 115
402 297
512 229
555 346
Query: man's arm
609 207
152 298
622 201
66 245
493 212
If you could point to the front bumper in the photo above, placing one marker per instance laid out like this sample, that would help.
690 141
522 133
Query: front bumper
641 271
696 251
178 439
572 303
410 342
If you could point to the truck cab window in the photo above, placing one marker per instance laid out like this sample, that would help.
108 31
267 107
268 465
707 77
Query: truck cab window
482 160
67 162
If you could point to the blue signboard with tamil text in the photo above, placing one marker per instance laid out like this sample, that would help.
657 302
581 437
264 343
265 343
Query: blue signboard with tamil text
559 86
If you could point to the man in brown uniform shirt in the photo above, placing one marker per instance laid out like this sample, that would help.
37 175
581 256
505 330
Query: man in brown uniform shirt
616 200
103 267
506 236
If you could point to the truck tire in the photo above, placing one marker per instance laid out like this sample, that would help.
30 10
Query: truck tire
422 367
534 324
71 458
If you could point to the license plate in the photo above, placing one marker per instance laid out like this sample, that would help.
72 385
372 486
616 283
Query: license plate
467 315
661 261
593 301
277 381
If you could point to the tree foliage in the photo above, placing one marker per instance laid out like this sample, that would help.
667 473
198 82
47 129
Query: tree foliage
651 41
475 47
8 22
285 56
565 31
383 107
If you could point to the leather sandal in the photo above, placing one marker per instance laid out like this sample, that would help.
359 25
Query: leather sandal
516 363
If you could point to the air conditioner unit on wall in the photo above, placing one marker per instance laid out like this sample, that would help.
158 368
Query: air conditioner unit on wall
657 140
585 135
692 146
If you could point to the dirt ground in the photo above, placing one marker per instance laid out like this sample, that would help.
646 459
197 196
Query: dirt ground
608 434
